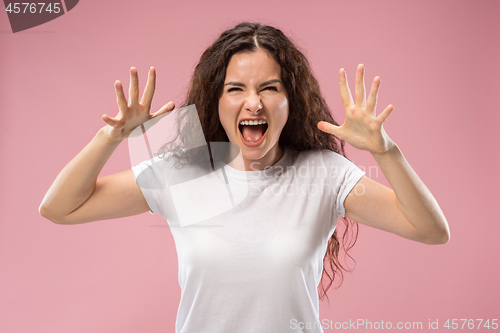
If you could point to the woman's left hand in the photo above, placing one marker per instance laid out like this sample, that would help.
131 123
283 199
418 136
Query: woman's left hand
362 129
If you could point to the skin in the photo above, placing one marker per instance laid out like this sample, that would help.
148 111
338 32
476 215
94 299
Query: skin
408 209
77 194
253 89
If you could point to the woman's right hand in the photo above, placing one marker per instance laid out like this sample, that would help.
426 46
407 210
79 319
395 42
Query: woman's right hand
133 113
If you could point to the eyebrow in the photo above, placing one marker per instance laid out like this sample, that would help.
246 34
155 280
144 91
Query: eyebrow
239 84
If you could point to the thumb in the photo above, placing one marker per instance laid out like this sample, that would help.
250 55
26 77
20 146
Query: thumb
110 121
164 109
329 128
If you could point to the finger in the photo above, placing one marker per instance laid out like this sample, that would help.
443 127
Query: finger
371 104
133 92
120 96
110 121
345 93
360 86
329 128
164 109
149 91
386 113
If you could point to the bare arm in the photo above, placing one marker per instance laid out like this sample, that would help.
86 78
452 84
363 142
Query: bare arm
78 195
409 208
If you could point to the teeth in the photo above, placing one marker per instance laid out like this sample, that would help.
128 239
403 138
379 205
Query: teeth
253 122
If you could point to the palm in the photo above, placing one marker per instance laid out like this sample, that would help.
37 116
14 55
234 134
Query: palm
362 128
133 113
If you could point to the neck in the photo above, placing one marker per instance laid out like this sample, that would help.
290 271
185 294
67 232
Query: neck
268 160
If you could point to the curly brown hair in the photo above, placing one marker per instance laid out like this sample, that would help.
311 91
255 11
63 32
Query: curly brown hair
306 107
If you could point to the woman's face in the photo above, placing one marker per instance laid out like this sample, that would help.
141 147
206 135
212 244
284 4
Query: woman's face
254 94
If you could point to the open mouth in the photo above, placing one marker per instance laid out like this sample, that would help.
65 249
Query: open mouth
253 131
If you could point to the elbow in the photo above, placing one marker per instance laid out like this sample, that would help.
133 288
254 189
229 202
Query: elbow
46 213
442 239
438 238
445 232
446 237
438 232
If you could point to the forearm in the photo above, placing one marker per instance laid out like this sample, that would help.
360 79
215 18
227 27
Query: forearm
414 199
76 182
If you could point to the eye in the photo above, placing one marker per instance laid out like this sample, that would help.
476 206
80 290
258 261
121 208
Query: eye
271 88
233 89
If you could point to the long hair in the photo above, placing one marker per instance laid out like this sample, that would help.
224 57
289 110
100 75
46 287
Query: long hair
306 106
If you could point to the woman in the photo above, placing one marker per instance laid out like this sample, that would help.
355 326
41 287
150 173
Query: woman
261 270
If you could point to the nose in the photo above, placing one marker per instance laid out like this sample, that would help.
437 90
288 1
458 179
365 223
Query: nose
253 104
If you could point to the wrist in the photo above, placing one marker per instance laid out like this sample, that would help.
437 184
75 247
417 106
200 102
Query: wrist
391 151
104 133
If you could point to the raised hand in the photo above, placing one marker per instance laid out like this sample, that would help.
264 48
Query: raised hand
362 129
134 112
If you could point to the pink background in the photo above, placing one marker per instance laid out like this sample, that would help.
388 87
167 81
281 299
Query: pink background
439 64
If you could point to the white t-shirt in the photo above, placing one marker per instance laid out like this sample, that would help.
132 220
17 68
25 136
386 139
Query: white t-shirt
257 266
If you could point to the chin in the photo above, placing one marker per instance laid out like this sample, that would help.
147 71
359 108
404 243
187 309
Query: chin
254 154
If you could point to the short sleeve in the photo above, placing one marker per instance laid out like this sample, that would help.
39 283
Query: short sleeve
170 190
149 177
343 174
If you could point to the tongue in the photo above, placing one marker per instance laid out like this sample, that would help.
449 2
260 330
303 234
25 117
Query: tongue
252 133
